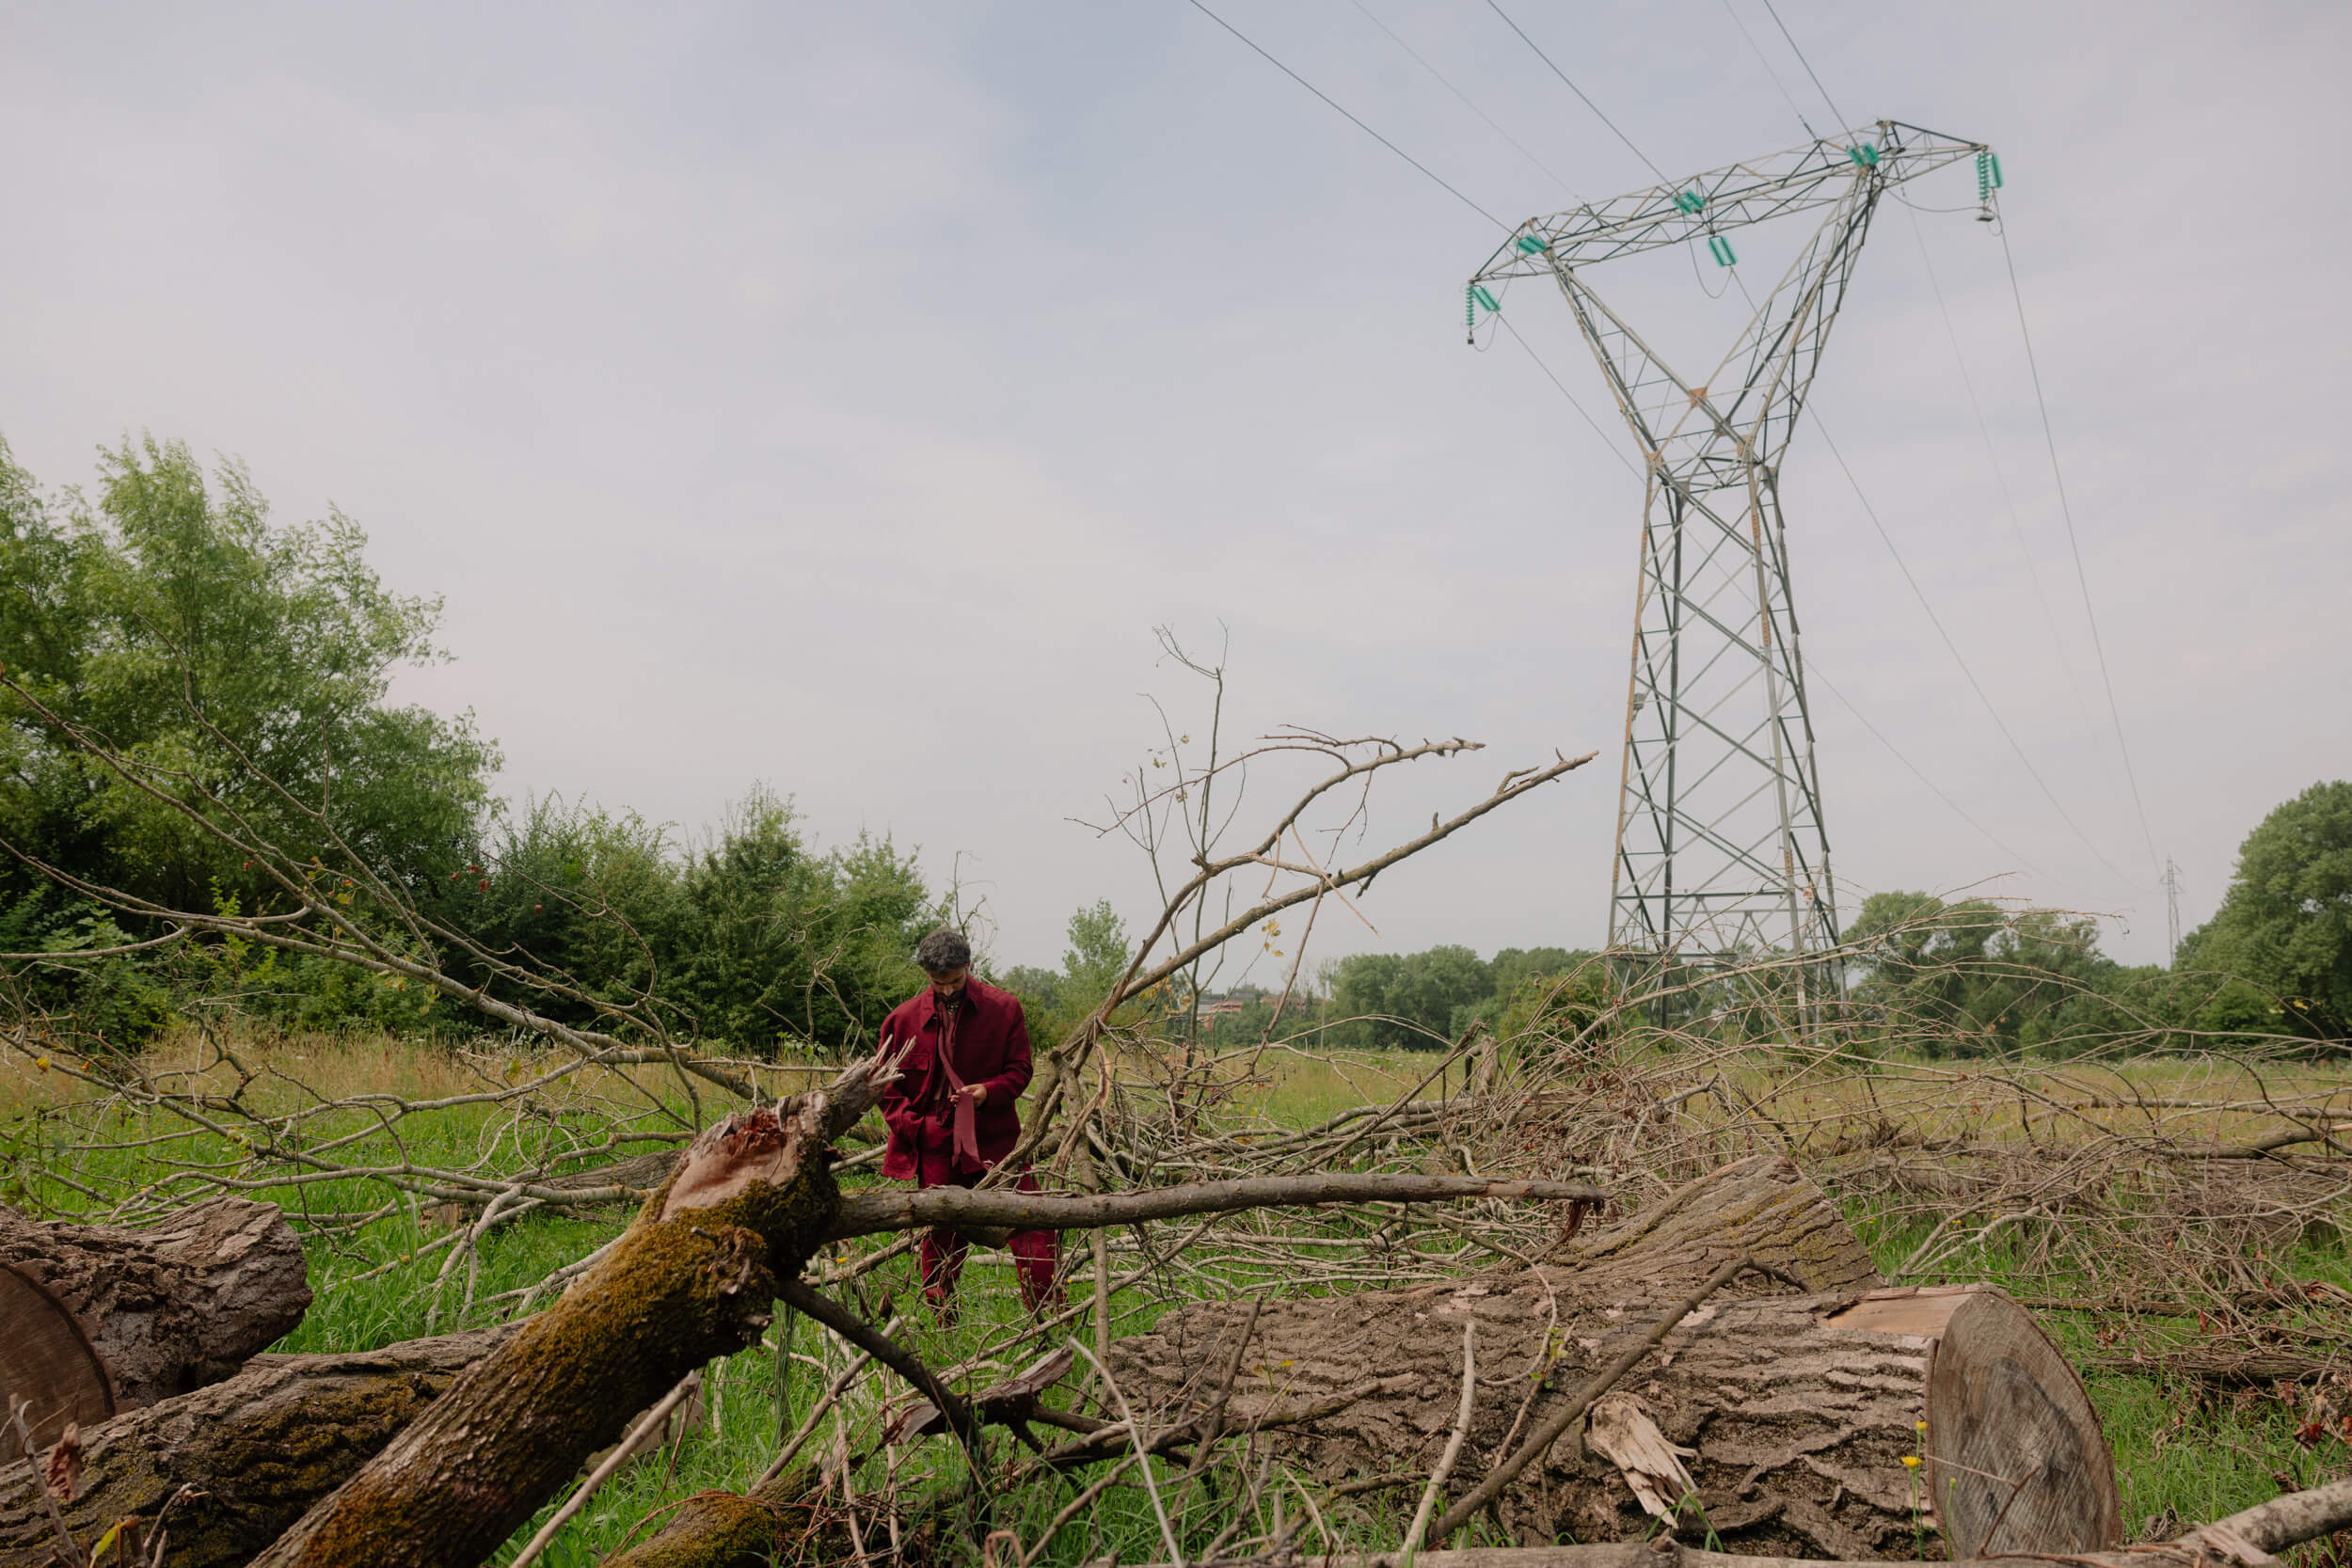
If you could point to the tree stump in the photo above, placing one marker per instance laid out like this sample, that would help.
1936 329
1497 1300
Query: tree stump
46 1360
262 1447
1777 1416
163 1310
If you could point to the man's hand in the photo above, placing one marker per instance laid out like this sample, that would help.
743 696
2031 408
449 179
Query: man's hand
979 1093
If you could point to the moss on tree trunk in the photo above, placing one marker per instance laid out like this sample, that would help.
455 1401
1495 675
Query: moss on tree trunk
693 1278
261 1448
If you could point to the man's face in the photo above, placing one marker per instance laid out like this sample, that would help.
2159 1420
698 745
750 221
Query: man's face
948 987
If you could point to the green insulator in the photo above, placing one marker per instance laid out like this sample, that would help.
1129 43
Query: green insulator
1865 155
1478 293
1532 245
1721 249
1690 201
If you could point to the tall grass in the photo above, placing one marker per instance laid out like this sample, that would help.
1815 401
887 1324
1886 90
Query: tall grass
383 1268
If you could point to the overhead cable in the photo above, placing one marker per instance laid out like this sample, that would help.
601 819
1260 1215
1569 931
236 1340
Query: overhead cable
1573 87
2049 438
1993 457
1767 63
1807 64
1953 648
1425 170
1812 669
2082 579
1351 118
1621 457
1466 102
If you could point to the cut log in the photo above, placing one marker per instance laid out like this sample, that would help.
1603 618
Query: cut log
1797 1396
46 1361
170 1308
262 1447
2248 1539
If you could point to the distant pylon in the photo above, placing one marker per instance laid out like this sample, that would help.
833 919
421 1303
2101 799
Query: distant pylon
2171 913
1721 851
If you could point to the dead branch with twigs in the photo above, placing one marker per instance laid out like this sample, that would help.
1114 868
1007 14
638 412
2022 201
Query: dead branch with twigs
560 1118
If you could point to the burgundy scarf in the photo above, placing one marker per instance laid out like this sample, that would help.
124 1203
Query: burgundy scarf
967 1134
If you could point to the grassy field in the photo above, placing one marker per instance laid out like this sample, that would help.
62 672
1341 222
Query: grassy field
2183 1452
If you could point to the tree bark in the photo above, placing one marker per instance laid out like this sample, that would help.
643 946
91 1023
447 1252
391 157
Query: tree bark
1799 1394
262 1447
692 1278
774 1523
2243 1540
166 1309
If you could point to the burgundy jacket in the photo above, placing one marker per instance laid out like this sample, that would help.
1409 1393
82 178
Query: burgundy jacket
989 1044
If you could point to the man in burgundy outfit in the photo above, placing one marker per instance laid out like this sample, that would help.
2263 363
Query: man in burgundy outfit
951 1112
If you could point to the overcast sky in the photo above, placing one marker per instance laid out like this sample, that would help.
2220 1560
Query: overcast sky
840 396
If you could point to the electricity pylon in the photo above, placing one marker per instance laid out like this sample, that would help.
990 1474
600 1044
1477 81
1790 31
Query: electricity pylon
2171 915
1721 852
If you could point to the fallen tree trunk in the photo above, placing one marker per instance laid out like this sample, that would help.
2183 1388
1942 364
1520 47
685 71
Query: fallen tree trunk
775 1523
260 1447
1777 1414
2248 1539
163 1310
692 1280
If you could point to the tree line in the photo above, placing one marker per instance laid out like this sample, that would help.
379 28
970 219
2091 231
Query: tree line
166 615
2275 959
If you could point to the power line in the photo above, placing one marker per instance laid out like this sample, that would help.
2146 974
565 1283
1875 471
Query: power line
1814 667
1919 594
1844 700
1466 102
1814 671
1767 63
1993 456
2049 438
1360 125
2082 579
1605 441
1571 86
1432 174
1953 648
1807 64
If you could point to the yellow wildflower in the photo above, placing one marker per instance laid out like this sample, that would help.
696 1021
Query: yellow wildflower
1910 1461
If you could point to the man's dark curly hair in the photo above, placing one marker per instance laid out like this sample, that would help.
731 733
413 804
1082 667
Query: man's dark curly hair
943 952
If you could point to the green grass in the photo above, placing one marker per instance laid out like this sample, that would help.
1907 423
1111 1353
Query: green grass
2183 1453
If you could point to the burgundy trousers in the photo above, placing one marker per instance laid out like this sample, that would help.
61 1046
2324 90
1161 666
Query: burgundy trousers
1036 1255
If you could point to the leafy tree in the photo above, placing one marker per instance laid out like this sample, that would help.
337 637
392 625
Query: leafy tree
101 1006
1556 989
589 895
1097 957
1416 1000
2285 923
1972 979
171 618
752 939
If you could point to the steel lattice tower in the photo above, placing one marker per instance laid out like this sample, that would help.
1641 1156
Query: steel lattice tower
1721 851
